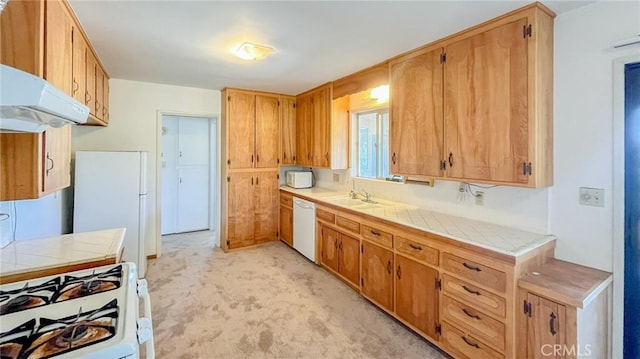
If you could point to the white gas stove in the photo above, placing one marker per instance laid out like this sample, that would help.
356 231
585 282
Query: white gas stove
84 314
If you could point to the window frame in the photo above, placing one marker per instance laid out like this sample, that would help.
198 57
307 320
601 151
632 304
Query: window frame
355 148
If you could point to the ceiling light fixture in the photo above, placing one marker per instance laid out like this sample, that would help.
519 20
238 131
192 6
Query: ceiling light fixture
380 93
251 51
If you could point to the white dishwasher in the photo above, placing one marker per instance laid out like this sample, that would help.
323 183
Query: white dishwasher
304 227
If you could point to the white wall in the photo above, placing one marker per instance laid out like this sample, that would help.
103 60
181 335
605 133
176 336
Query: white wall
583 125
134 108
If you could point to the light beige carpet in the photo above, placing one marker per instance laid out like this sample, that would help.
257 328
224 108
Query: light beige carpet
265 302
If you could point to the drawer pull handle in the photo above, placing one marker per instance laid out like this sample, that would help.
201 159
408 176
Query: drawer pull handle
418 248
468 266
469 314
389 267
398 272
470 290
375 233
469 343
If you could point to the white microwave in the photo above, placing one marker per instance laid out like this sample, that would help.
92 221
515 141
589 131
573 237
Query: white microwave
299 179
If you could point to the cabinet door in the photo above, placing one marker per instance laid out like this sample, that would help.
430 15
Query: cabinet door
416 115
377 275
349 258
99 91
90 94
286 225
321 120
486 107
240 216
267 197
288 131
79 66
57 159
330 241
416 295
240 129
59 46
267 129
545 328
304 130
21 36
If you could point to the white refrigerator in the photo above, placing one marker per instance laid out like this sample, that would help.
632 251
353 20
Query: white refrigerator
110 191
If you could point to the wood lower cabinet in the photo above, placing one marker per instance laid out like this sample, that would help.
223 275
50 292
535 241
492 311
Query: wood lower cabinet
251 209
416 295
341 254
286 219
377 275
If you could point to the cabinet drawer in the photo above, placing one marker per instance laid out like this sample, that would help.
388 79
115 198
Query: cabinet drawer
462 345
325 216
475 272
417 250
378 236
474 322
286 200
481 299
348 224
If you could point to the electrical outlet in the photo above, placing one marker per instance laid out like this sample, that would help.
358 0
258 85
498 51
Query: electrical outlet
336 177
592 196
479 198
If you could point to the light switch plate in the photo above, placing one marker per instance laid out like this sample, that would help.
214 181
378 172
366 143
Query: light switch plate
592 196
336 177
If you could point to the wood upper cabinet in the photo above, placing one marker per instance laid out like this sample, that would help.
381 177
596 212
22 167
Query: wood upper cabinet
267 131
251 208
58 69
304 130
288 130
416 114
322 130
486 105
252 121
341 253
416 295
377 274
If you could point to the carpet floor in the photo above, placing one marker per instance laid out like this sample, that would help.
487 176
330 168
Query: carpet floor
264 302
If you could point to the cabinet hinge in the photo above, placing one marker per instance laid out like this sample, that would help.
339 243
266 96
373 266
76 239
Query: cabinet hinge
228 178
438 329
294 105
526 168
361 282
526 31
228 243
278 103
438 284
229 98
278 176
277 234
527 308
278 161
443 165
228 162
362 248
443 57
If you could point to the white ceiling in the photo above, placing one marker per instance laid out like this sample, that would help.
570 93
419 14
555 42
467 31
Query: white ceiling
186 43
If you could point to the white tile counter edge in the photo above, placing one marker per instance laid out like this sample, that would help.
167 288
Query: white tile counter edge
59 251
497 238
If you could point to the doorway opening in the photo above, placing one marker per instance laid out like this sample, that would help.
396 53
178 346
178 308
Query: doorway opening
188 173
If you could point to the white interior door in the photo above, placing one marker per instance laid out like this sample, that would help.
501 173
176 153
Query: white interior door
185 174
169 175
193 203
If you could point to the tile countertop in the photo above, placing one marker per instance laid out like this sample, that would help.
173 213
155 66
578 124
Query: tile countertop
510 241
29 255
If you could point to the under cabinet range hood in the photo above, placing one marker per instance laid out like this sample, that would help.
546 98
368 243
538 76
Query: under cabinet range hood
30 104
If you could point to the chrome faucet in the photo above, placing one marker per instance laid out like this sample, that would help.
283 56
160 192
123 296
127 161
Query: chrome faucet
353 192
367 196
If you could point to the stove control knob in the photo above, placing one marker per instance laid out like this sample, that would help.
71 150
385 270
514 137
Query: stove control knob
145 332
143 287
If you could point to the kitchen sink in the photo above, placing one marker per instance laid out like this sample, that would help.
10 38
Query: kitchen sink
355 203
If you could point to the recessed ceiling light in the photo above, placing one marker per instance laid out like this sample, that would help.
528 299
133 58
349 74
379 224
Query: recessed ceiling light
251 51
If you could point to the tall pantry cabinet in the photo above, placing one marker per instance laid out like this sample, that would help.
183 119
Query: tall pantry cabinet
251 156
